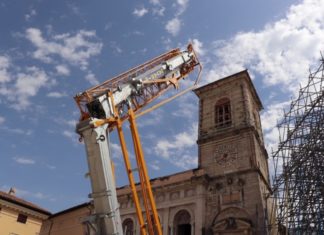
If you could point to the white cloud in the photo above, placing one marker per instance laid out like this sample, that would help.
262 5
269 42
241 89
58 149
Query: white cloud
19 87
155 2
281 52
183 3
18 131
167 42
173 26
51 167
187 107
62 70
273 114
72 123
108 26
178 149
69 134
138 33
116 151
2 120
31 13
151 118
186 161
155 165
157 8
27 85
198 47
76 49
140 12
4 66
74 8
180 141
24 161
56 94
182 6
68 129
91 78
159 11
114 45
72 135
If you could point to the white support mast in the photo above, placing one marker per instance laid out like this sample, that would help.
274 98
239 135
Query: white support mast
107 217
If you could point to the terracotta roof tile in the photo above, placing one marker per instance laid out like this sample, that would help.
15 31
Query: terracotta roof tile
13 199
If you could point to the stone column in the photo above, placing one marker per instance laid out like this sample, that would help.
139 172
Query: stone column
193 228
172 229
199 209
166 212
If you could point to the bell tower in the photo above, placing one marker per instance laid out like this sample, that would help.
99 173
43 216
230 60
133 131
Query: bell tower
232 153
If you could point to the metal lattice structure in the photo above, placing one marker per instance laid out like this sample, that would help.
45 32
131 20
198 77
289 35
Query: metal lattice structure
299 161
150 84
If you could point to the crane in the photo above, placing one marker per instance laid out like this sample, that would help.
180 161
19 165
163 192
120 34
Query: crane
104 108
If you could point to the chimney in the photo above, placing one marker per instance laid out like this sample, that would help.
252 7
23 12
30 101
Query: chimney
12 191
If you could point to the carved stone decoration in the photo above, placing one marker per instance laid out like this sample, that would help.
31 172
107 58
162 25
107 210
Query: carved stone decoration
226 154
125 204
234 220
231 223
234 212
232 226
190 192
160 198
175 195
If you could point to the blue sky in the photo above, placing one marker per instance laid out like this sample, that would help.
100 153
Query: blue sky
50 50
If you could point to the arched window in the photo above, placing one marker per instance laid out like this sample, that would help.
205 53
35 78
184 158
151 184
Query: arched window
182 224
223 116
128 227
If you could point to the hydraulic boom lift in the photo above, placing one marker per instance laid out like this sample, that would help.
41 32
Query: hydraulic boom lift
107 106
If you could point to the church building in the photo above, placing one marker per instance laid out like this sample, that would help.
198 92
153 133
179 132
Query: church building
226 194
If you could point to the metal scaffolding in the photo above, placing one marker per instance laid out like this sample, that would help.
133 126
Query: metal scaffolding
298 186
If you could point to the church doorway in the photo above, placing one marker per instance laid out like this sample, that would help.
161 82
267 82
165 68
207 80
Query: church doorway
184 229
182 223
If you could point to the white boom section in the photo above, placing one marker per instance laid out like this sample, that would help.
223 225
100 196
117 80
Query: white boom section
107 216
167 69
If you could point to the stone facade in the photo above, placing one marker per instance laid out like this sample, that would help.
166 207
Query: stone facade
234 158
226 194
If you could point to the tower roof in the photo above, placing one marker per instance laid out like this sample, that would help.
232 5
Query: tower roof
237 76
